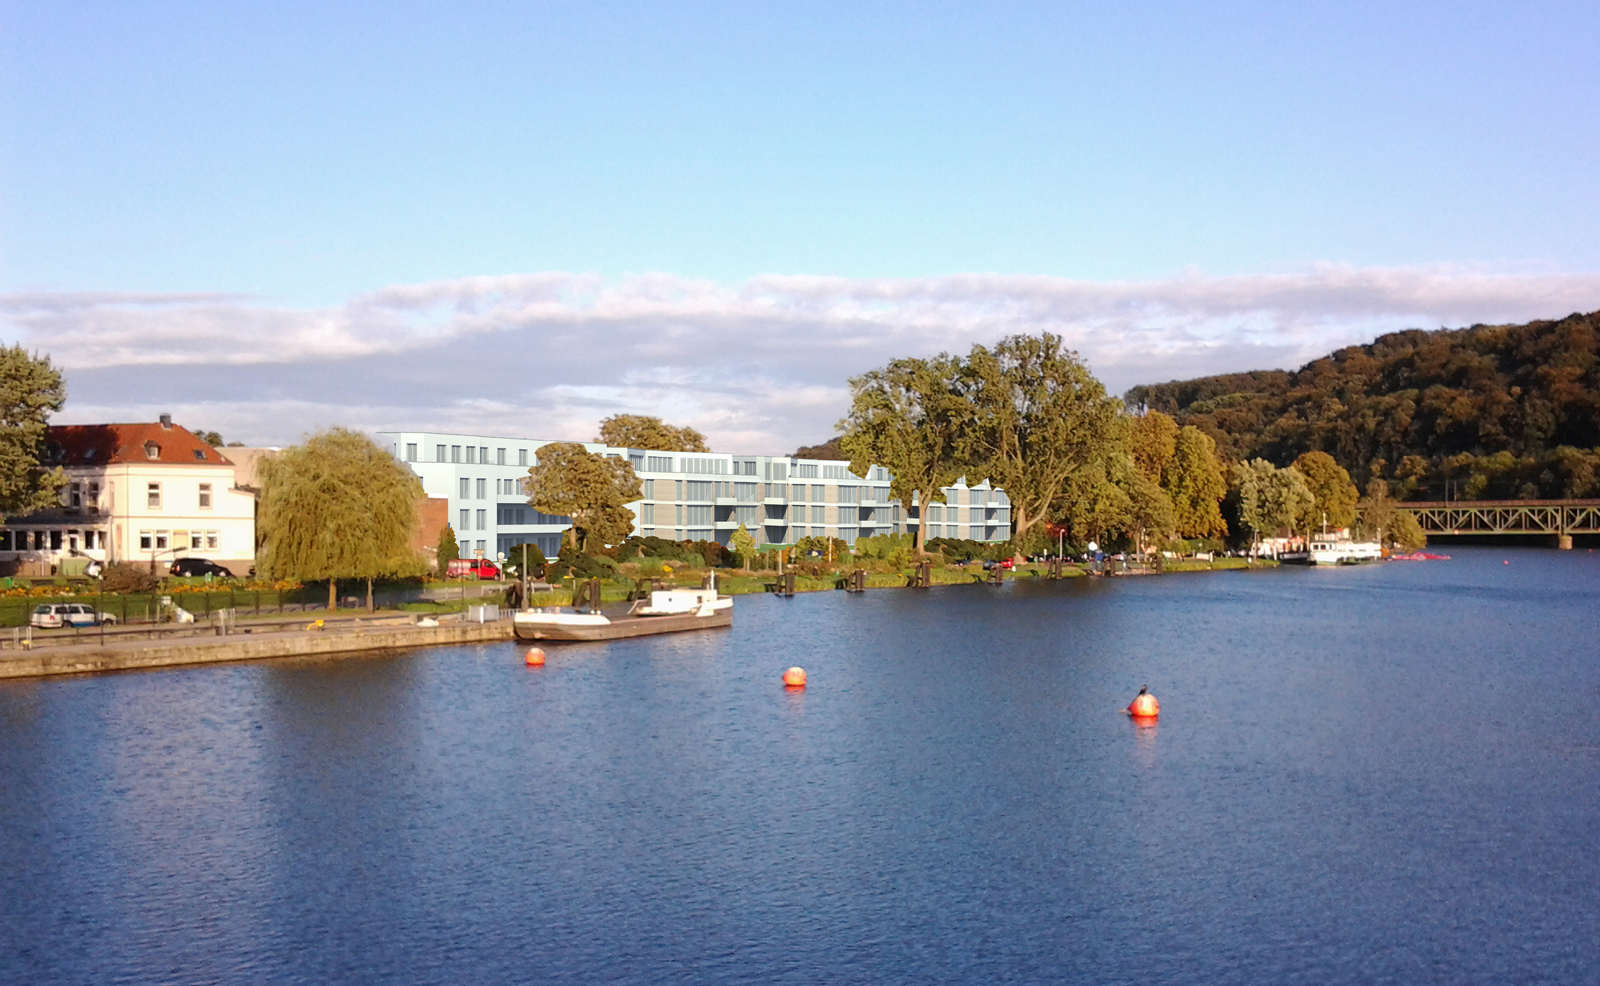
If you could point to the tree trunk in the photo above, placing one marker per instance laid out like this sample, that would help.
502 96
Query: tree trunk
369 595
333 594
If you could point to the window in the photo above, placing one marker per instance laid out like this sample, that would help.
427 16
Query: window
700 515
213 540
819 494
745 468
483 520
704 466
658 463
197 540
699 490
466 489
849 494
483 455
499 456
799 493
94 496
472 454
848 535
483 489
455 453
647 514
806 470
205 498
200 455
55 540
835 472
745 492
777 471
649 489
522 456
819 515
935 513
152 450
153 496
75 496
466 520
162 537
677 489
411 451
146 540
677 512
438 453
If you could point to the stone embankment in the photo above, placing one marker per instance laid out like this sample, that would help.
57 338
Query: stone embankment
82 655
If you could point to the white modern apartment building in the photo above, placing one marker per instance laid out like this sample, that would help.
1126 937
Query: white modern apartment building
146 493
687 495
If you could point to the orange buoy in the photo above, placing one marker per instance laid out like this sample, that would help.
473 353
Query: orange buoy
1144 706
795 677
535 657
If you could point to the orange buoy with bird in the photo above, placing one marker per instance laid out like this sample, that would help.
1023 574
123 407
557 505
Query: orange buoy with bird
1144 705
534 658
795 678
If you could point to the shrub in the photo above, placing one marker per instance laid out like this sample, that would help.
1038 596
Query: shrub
123 577
579 565
892 549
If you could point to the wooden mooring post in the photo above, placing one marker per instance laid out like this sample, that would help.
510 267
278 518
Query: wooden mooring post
858 581
997 575
924 578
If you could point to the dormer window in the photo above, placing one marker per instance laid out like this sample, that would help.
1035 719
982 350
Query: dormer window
152 450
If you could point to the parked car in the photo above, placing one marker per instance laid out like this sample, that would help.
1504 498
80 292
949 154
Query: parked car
462 567
196 567
50 616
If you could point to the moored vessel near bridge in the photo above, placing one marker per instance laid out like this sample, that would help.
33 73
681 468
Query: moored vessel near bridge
1334 551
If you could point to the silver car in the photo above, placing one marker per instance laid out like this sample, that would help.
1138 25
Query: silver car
50 616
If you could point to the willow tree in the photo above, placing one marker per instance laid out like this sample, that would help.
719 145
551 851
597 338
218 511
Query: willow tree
643 432
337 507
30 389
906 417
591 489
1037 417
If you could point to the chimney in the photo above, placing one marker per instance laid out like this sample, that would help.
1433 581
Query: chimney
166 422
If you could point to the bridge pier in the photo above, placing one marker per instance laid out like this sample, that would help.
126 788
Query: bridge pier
1564 542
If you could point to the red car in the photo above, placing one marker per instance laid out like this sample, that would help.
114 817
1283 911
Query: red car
462 567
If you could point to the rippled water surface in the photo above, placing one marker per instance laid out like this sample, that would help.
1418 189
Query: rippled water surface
1378 775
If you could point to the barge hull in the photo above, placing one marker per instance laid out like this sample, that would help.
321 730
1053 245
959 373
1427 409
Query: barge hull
624 626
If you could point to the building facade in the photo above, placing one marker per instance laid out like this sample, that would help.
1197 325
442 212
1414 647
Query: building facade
687 496
143 493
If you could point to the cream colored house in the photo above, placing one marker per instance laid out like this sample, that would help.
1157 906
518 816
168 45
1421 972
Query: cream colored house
143 493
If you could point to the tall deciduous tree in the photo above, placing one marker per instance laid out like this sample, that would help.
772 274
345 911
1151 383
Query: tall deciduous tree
1382 519
1037 417
30 389
1270 499
337 507
643 432
1194 481
1152 442
906 417
591 489
1334 494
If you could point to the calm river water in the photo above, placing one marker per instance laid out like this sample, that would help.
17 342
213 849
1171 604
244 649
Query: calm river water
1375 775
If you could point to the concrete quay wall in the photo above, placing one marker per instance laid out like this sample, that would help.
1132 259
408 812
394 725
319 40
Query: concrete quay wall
130 655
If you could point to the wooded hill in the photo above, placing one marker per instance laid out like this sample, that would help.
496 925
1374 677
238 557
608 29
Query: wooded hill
1487 412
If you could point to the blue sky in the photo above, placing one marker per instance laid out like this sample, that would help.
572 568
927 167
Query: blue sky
291 161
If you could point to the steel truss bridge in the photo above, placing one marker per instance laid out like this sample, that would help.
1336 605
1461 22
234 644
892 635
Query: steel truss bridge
1561 518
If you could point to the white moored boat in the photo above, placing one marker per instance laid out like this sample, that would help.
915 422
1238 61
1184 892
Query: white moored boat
1334 551
666 611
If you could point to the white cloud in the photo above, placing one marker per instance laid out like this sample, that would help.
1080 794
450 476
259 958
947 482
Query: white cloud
758 366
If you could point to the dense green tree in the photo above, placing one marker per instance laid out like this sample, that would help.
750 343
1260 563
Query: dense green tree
1382 519
1037 418
1270 499
337 507
30 389
1194 481
449 549
591 489
1334 495
907 417
643 432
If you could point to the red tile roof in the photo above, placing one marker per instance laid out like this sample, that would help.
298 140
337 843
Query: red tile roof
97 445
